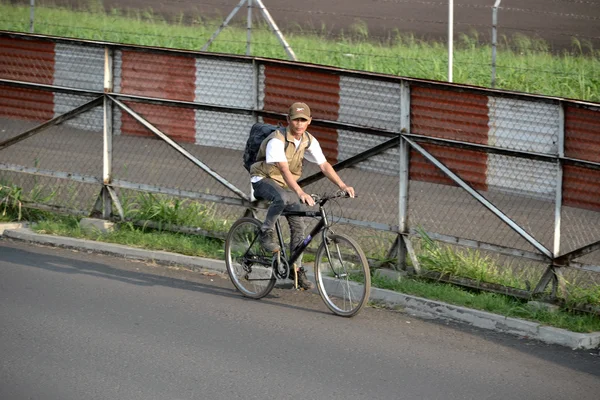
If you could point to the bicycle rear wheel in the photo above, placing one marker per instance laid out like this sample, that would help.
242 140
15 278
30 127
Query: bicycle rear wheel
248 266
342 275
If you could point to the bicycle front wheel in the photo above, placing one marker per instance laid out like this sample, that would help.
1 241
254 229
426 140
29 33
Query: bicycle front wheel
342 275
248 265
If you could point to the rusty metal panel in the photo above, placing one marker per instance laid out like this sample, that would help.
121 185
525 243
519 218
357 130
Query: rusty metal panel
79 67
282 85
222 130
225 83
582 133
164 76
368 102
449 114
27 60
524 125
469 165
581 187
177 123
26 104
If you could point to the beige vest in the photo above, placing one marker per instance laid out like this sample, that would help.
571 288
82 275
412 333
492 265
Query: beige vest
294 157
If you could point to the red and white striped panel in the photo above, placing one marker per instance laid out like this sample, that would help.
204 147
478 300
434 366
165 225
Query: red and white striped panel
162 76
49 63
507 123
450 115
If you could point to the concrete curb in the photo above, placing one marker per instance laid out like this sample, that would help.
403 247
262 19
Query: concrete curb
415 305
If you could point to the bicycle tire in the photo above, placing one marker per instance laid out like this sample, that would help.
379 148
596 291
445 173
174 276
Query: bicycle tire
248 265
344 281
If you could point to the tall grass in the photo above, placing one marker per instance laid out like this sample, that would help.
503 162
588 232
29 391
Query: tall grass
524 64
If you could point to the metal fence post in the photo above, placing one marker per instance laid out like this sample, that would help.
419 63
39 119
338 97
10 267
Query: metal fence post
108 131
31 15
403 174
559 178
494 39
450 38
249 28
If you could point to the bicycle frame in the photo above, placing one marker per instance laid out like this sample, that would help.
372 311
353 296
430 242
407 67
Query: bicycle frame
321 226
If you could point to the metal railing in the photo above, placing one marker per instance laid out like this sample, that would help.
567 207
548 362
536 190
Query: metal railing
506 173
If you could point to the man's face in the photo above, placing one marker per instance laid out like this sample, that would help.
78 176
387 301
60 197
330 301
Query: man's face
298 126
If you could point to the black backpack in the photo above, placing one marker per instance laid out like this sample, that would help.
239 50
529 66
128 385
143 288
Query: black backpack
258 133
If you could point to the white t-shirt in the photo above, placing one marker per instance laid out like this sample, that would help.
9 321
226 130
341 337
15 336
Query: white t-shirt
276 153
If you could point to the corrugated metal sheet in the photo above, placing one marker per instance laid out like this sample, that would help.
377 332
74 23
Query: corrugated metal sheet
91 120
27 60
225 83
281 86
581 188
523 125
165 76
353 143
370 103
469 165
216 129
177 123
520 176
79 67
26 104
449 115
582 133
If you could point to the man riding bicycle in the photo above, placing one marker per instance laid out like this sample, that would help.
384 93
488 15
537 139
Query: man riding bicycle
275 174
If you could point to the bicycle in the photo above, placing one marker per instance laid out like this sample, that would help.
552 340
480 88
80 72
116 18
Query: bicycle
341 268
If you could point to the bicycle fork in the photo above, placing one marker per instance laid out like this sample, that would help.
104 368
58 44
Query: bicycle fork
342 273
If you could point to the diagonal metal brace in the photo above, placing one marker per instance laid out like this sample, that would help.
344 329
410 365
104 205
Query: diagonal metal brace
495 210
380 148
181 150
566 258
55 121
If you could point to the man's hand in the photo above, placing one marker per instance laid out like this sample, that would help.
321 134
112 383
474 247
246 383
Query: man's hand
348 189
306 199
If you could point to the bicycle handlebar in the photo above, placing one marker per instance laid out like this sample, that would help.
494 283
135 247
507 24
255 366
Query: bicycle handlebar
323 198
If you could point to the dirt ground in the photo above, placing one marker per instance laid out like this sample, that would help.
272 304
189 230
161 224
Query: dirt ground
556 21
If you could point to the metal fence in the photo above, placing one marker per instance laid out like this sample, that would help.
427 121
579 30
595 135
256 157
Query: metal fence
509 174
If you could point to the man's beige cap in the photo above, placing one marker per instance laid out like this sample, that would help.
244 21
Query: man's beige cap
299 110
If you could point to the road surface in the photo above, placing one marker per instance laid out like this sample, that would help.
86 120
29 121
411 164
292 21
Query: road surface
85 326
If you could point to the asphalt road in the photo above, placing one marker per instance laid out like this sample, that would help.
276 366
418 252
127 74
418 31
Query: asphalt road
556 21
86 326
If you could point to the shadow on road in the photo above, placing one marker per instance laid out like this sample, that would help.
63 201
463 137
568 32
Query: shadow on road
128 271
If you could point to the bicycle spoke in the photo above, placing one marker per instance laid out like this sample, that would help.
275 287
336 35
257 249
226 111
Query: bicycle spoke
342 275
248 267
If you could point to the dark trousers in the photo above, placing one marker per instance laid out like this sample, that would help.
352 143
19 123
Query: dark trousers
281 200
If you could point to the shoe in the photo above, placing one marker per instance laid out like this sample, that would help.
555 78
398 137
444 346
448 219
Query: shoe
267 241
303 281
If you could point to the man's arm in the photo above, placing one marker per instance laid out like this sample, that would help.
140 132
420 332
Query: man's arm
292 184
330 173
